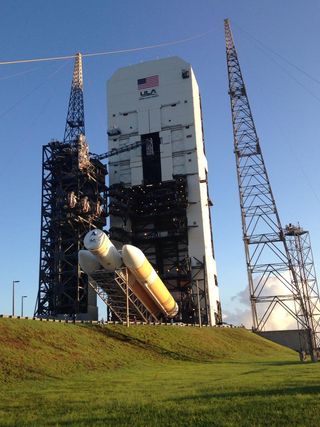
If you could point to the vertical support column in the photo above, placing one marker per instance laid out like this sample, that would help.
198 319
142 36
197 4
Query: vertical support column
199 308
127 299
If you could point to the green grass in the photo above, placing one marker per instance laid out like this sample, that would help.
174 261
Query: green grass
75 375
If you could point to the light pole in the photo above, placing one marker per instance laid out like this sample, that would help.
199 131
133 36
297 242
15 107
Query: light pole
22 298
13 283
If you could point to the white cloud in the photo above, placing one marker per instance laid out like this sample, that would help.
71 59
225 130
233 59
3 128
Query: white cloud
238 317
280 318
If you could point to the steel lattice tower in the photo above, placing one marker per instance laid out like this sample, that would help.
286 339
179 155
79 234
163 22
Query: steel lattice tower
75 117
273 281
300 250
73 202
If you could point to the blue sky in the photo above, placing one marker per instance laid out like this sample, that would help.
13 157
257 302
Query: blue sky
284 97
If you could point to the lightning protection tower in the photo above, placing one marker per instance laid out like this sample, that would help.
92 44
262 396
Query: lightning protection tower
73 202
273 280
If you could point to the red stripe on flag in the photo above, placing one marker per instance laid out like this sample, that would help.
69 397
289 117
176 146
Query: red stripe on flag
151 81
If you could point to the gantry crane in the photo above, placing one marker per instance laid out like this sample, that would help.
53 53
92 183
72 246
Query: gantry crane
273 279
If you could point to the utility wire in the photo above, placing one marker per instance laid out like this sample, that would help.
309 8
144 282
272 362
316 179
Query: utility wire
298 82
266 50
18 74
297 159
278 55
5 112
111 52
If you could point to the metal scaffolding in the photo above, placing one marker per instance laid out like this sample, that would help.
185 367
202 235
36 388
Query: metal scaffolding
273 279
114 291
299 246
154 218
73 202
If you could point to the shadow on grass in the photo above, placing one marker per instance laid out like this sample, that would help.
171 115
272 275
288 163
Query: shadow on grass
264 362
27 374
286 362
284 391
142 344
261 366
181 355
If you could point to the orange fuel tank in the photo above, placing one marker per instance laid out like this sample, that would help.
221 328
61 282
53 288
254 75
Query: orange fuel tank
147 277
142 295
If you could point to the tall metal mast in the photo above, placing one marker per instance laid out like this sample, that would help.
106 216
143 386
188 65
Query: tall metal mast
73 202
273 281
75 117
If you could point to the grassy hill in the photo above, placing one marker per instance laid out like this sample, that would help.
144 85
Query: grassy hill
34 350
81 375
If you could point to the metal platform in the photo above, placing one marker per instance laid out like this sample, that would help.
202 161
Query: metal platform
113 289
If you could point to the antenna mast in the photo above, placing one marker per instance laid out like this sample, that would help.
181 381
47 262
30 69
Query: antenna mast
75 117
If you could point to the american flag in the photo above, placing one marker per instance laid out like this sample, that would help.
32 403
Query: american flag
147 82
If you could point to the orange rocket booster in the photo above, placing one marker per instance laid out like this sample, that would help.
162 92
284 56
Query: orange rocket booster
149 280
142 295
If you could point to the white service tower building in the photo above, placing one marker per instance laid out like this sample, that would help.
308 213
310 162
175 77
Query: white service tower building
159 198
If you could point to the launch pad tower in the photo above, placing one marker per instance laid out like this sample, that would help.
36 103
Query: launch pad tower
73 202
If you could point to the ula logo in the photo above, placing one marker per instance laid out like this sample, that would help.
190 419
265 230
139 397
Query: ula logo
148 93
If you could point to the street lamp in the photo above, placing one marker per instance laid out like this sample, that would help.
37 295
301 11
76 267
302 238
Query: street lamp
13 283
22 298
